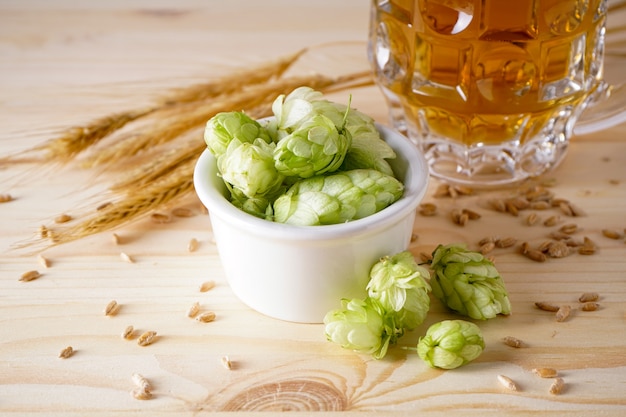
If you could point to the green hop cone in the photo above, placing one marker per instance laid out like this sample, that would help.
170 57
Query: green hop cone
222 128
317 146
400 285
249 168
468 283
450 344
360 325
336 198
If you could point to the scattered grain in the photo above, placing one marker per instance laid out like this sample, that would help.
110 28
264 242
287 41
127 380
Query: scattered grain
543 246
29 275
471 214
414 237
558 235
183 212
66 353
524 248
116 239
128 332
141 382
226 363
43 261
531 219
563 313
126 257
193 310
506 242
558 249
160 218
5 198
588 247
207 285
443 190
535 255
44 232
551 221
111 308
507 382
206 317
611 234
542 305
140 394
557 386
545 372
590 306
62 218
427 209
146 338
511 207
497 204
487 247
588 296
193 245
512 342
569 228
539 205
463 190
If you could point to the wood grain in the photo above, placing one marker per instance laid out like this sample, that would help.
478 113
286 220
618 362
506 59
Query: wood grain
61 64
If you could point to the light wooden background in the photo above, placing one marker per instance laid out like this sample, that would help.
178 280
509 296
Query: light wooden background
64 63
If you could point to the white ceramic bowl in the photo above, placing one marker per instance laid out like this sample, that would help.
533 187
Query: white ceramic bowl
298 273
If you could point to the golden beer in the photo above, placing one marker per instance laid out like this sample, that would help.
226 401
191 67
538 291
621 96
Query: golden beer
489 89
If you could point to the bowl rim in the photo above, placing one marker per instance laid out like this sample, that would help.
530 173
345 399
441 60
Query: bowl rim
415 182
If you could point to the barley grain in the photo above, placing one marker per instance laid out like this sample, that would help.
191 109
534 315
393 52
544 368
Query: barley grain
524 248
590 306
428 209
43 261
542 305
588 296
558 249
116 239
543 246
497 204
160 218
126 257
147 338
557 386
141 382
207 285
140 394
414 237
487 247
206 317
512 342
62 218
563 313
611 234
463 190
443 190
569 228
471 214
511 208
506 242
507 382
183 212
551 221
488 239
193 310
111 308
5 198
128 332
545 372
539 205
66 353
193 244
531 219
226 363
535 255
29 276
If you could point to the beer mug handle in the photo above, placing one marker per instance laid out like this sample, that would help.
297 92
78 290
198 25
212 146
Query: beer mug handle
606 109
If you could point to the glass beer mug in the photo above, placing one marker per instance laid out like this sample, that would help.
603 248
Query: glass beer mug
490 90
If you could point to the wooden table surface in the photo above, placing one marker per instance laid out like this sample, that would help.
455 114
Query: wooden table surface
65 63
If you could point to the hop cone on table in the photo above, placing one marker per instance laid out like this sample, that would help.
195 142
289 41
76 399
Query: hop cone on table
450 344
362 326
399 284
468 283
